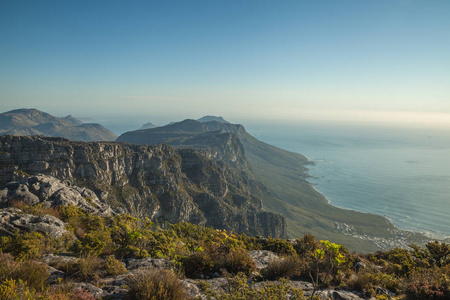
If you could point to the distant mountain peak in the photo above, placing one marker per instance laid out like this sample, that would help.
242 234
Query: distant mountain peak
148 125
212 118
26 121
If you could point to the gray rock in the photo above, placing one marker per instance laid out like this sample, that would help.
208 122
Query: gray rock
192 289
55 275
262 258
13 219
52 192
81 286
111 292
159 263
383 291
55 260
343 295
359 266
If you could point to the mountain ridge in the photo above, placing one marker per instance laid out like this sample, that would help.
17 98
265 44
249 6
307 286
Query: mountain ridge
35 122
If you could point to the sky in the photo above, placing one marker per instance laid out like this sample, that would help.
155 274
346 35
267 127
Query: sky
380 61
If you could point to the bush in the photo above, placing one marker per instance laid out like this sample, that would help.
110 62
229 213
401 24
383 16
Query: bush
37 209
239 261
282 268
114 266
279 246
34 274
86 268
11 289
197 264
367 281
26 245
156 284
306 245
239 289
428 291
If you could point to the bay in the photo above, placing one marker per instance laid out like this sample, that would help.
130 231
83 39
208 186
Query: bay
397 172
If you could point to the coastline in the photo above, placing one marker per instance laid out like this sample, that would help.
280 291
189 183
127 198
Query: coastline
408 232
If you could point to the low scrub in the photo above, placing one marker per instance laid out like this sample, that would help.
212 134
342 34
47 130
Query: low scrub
286 267
154 284
238 288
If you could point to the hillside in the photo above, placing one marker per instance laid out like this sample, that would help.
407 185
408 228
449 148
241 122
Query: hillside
35 122
281 180
60 241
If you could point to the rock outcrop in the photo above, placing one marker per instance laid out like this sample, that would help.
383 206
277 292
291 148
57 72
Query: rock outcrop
13 219
51 192
159 181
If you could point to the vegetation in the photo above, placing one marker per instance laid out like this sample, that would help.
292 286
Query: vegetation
156 285
101 244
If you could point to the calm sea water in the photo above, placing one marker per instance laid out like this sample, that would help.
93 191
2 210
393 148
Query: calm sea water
403 174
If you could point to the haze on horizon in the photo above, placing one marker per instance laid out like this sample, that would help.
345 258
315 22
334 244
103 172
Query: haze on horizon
364 61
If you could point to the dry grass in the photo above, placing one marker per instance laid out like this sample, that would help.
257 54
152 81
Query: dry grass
286 267
154 284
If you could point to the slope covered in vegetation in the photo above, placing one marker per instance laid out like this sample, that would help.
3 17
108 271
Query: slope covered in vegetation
118 256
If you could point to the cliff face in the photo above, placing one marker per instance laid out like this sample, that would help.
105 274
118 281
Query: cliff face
159 182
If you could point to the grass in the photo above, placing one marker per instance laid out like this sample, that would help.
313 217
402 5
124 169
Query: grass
154 284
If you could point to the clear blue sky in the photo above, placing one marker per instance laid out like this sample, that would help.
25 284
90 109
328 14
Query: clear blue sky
239 59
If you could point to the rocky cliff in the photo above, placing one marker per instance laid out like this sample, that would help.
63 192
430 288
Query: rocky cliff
159 181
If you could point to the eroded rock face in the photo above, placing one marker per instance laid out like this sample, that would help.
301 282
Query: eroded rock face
52 192
159 182
13 219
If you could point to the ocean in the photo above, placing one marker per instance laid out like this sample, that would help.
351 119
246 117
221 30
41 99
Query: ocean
400 173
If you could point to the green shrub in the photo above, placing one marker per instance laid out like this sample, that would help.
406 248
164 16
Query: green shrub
197 264
280 246
238 288
114 266
306 245
26 245
155 284
367 281
11 289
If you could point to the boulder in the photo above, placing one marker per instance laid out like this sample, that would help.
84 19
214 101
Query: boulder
52 192
84 286
262 258
159 263
13 219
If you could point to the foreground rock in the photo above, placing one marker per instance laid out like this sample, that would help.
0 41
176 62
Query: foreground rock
13 219
52 192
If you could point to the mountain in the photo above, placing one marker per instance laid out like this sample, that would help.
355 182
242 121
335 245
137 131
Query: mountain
279 178
148 125
35 122
212 118
160 182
